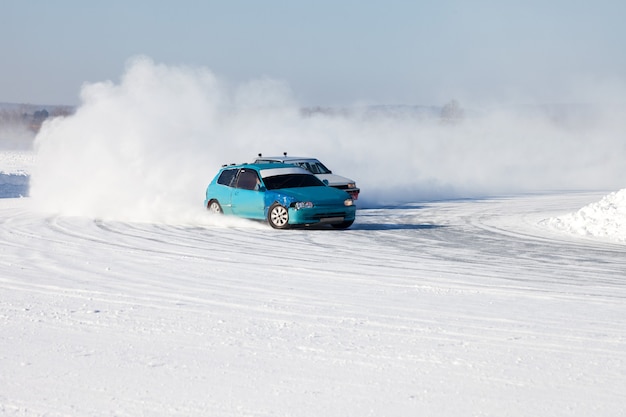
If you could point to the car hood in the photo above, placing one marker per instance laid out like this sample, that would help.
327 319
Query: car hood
334 179
317 195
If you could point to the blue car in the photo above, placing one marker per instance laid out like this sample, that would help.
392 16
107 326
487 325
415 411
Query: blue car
283 194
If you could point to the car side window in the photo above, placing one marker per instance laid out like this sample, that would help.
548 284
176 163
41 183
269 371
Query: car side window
304 165
319 168
248 180
227 177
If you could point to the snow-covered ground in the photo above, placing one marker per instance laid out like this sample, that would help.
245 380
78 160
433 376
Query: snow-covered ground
458 308
121 296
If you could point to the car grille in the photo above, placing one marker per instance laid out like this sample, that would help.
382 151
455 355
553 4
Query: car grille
321 214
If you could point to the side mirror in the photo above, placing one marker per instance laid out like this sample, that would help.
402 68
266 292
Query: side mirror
262 188
325 182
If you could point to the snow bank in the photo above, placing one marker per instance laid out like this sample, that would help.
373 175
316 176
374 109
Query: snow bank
603 219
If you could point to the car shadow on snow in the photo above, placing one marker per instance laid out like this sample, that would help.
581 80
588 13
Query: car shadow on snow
372 227
400 217
394 226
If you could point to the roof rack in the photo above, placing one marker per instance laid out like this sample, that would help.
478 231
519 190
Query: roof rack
261 155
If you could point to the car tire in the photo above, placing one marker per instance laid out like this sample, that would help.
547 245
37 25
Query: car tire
214 207
343 225
278 216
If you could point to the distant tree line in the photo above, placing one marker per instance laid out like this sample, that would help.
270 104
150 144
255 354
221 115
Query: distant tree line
31 117
450 114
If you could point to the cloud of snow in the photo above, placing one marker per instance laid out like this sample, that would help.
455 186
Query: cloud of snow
15 137
145 148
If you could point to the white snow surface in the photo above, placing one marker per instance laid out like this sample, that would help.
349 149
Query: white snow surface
604 219
457 308
121 296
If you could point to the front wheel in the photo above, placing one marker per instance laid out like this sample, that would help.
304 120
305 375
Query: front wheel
278 216
214 207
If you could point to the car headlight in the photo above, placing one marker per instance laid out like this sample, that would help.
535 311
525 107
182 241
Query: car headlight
348 202
351 185
302 204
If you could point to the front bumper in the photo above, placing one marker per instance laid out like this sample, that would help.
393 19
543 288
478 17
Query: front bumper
322 215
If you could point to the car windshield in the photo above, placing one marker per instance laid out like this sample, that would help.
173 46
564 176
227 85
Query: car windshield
311 165
292 181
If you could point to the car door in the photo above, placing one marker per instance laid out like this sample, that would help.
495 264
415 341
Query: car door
248 198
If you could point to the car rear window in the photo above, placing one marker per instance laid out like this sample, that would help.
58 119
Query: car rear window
226 177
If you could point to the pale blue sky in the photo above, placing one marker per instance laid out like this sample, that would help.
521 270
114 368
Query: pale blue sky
328 52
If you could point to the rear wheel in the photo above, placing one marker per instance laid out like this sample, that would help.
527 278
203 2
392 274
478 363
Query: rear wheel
214 207
278 216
